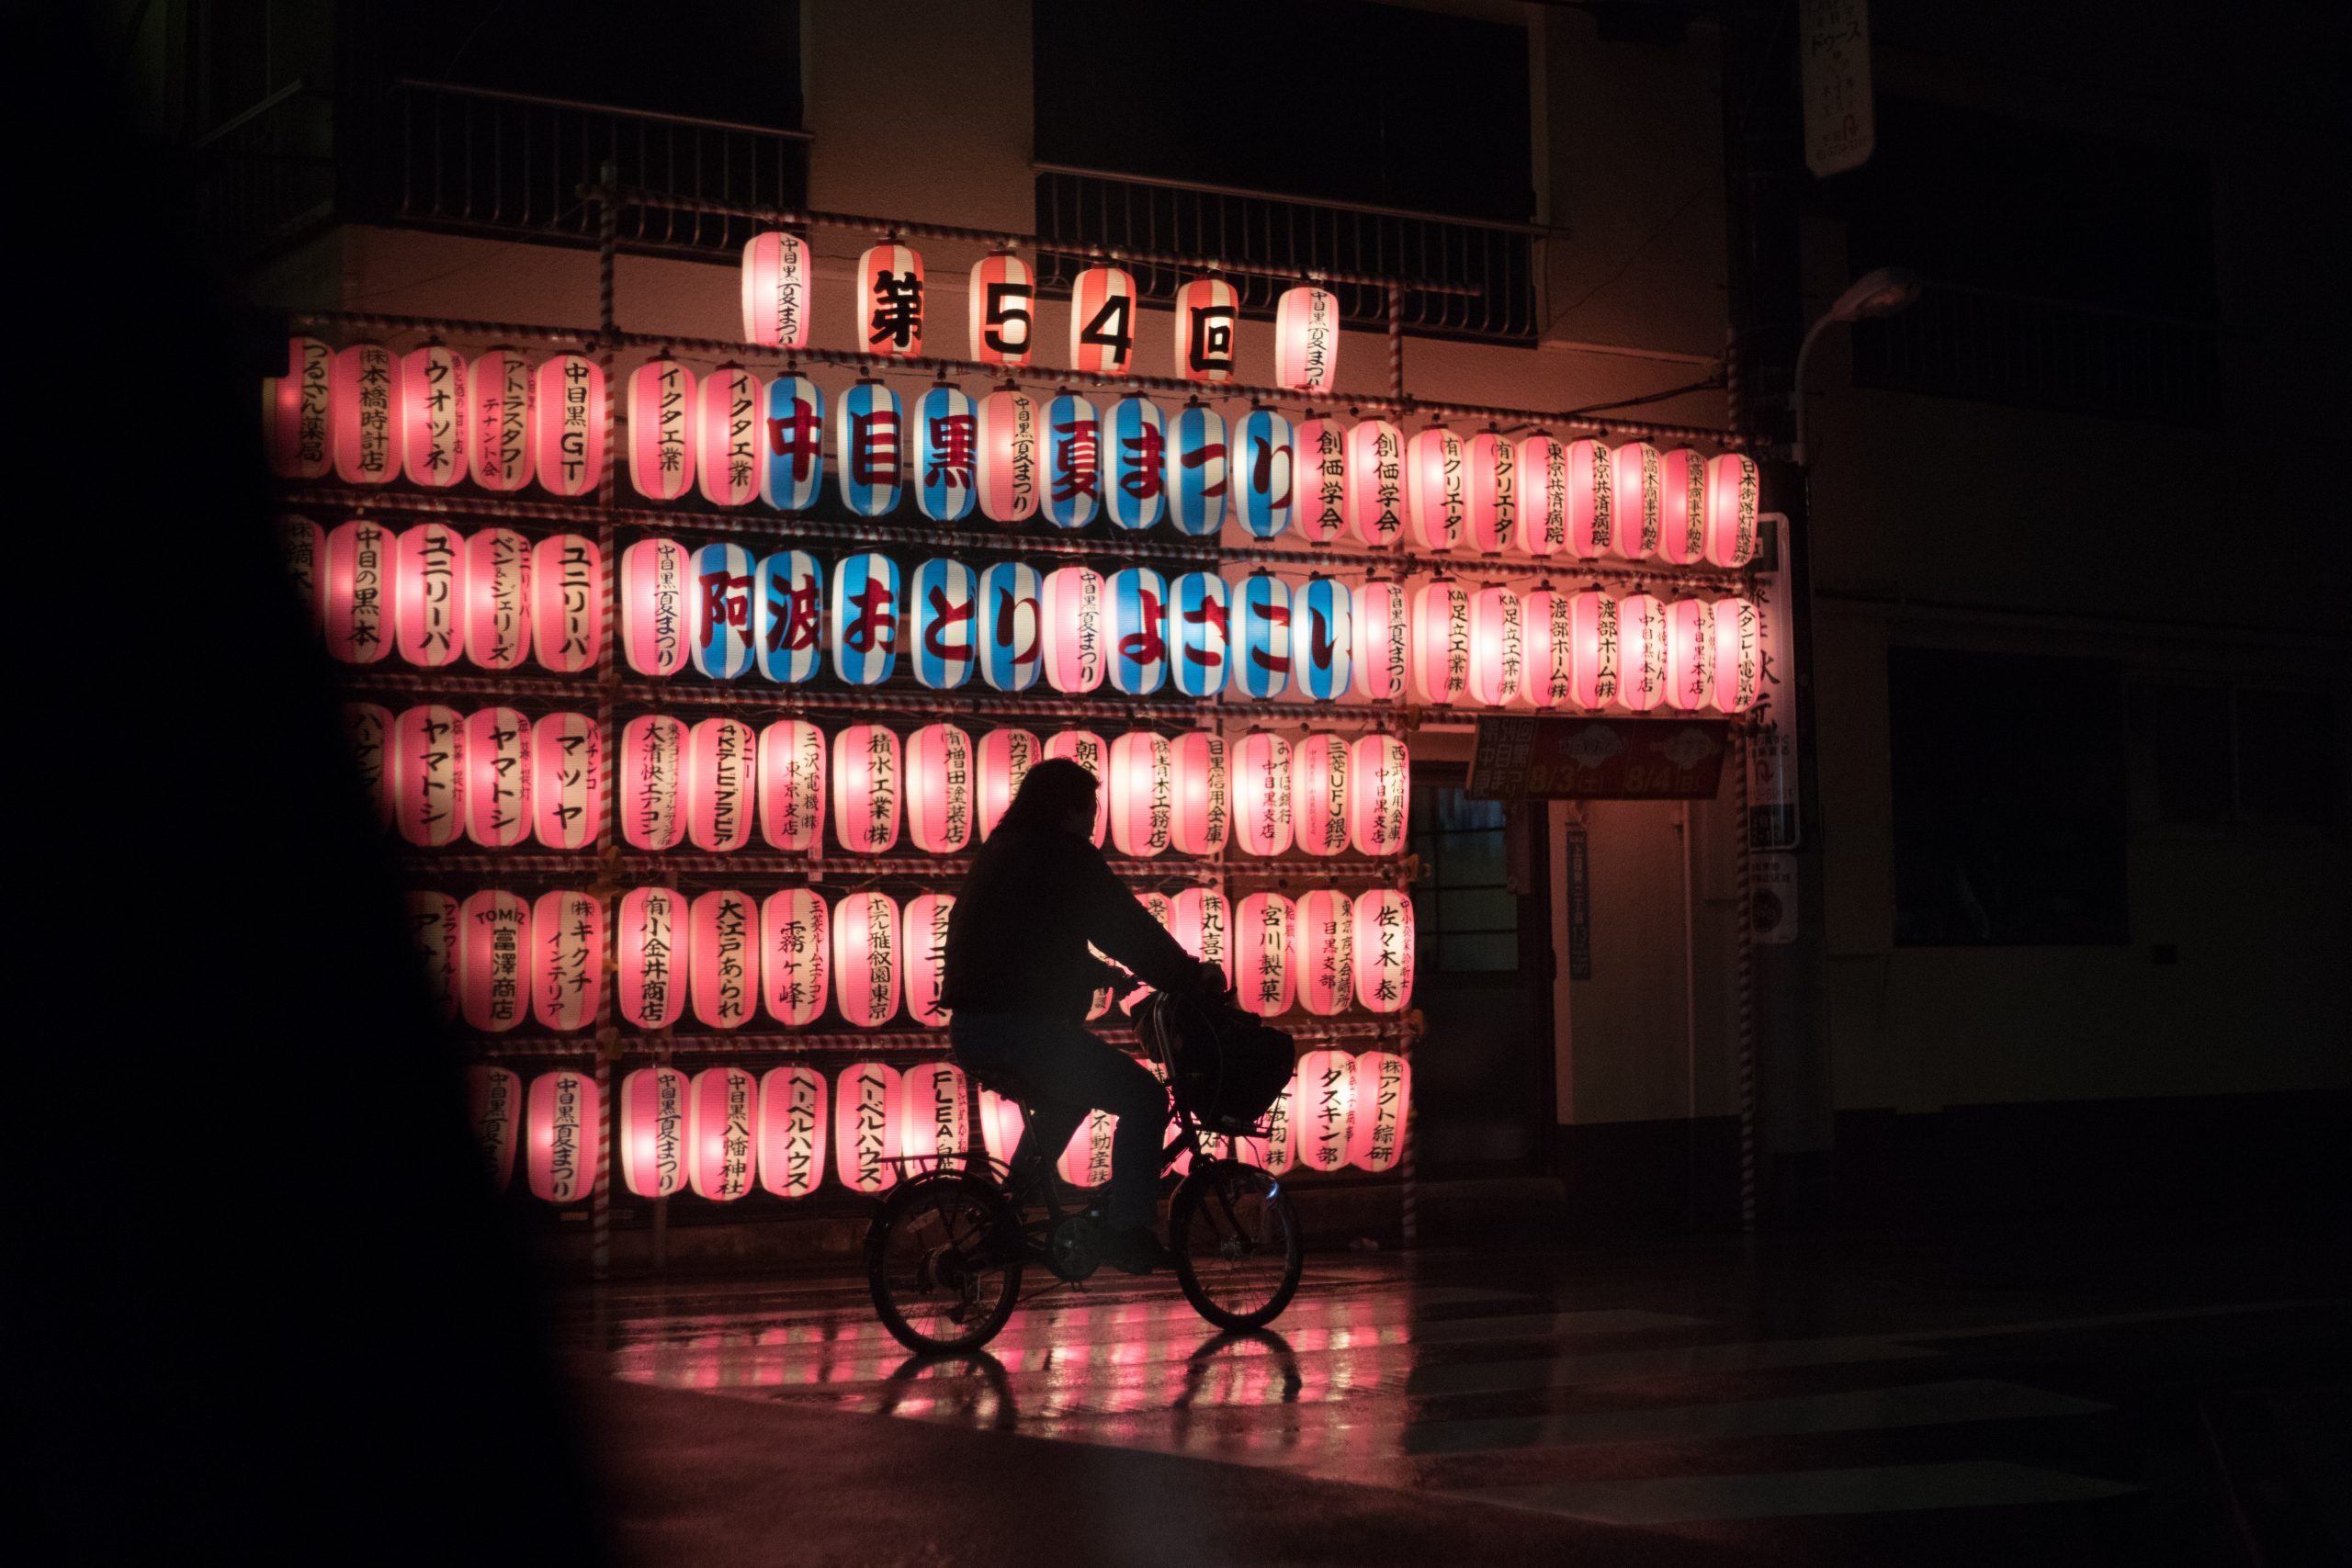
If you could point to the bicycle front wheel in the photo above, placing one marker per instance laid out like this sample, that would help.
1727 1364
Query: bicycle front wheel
1236 1239
943 1261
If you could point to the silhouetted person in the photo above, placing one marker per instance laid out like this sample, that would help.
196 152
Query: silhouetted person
1020 980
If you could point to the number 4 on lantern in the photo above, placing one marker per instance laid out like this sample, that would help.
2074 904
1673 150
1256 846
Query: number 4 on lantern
1102 321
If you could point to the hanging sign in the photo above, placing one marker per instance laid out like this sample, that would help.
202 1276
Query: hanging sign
946 453
1264 663
940 775
565 1136
1265 472
1203 806
1264 980
496 616
889 301
923 943
865 615
425 771
1546 757
653 769
653 1133
1071 609
1003 300
866 958
1379 785
865 789
777 280
1198 471
654 588
1102 321
365 414
358 579
1010 641
493 947
1261 795
1138 630
1137 493
719 610
297 418
1010 448
649 942
660 429
1383 951
1198 626
721 761
429 601
724 1101
1006 757
869 435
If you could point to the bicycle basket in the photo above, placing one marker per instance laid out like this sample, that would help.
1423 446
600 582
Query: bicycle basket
1225 1065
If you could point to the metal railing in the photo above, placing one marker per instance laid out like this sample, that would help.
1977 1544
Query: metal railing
1089 208
482 161
1993 347
266 178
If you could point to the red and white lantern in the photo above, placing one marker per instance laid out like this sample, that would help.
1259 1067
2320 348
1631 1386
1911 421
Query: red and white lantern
723 959
297 411
792 786
430 601
1262 977
653 767
778 278
433 926
1379 791
1384 641
1208 318
498 436
1102 321
1592 506
1262 797
1012 444
1731 539
1073 613
365 414
1441 642
1326 937
1740 655
1318 793
358 589
651 946
796 955
1086 748
1436 488
427 774
1086 1159
940 773
654 582
433 415
791 1156
1637 491
1383 1096
1492 523
866 958
1690 654
1383 950
568 434
1307 339
1544 479
661 430
567 781
1204 807
1006 757
865 789
889 301
1142 792
1003 300
934 1129
367 731
654 1121
497 613
721 765
719 1132
493 952
727 408
1593 652
1375 483
1323 1109
567 959
494 1110
1682 508
566 602
564 1132
865 1127
1641 651
1001 1126
1201 919
1549 636
1497 648
923 947
500 753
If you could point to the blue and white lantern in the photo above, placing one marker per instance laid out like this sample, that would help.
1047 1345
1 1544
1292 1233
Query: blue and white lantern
947 447
1264 664
719 589
1138 631
1010 641
1197 628
1135 457
1073 462
788 616
792 444
869 449
1261 463
865 613
1198 472
946 606
1323 637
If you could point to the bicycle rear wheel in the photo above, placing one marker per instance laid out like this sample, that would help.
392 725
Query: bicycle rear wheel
943 1261
1236 1240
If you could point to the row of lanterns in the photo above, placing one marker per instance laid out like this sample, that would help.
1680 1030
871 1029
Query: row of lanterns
498 778
718 1131
723 957
736 438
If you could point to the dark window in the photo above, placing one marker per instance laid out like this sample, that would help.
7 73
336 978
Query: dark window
2212 755
2009 799
1465 916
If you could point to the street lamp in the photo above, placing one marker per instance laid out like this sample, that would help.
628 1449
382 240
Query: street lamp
1880 292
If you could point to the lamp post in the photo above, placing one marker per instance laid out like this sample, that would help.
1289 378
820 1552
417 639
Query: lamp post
1880 292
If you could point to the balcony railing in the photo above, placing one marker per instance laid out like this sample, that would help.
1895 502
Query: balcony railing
2045 353
1088 209
265 179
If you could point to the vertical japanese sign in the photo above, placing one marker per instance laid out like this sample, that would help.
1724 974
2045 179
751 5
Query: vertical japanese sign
1775 813
1834 53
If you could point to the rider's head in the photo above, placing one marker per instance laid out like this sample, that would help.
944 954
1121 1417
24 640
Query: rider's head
1055 793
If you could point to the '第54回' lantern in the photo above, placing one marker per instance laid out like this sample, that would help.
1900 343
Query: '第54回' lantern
433 415
933 1126
566 602
567 780
723 960
1384 953
889 301
365 414
788 616
1325 948
727 410
653 606
1318 793
1142 792
940 773
1208 313
654 1114
649 941
660 429
923 948
777 279
865 789
1384 1100
792 1131
792 786
1261 794
1006 757
720 774
796 955
427 774
497 612
724 1104
1263 976
567 959
1004 310
652 781
1102 321
430 603
493 958
568 428
565 1134
1379 786
1072 612
499 757
865 1127
1307 339
1204 811
1323 1108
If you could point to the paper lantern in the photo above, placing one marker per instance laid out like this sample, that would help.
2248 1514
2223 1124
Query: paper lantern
1003 298
1264 664
567 959
651 944
1208 313
364 414
303 546
1263 472
493 951
922 945
1436 488
1497 648
1307 339
940 776
1086 748
943 600
1592 648
568 424
1690 654
719 600
1740 655
778 278
723 1106
660 429
1086 1159
1203 817
497 612
1142 789
727 431
566 602
863 617
426 773
494 1111
1136 495
1012 644
432 928
1323 635
565 1136
654 588
500 423
723 968
788 616
1325 935
1491 518
1318 793
1682 508
652 781
1199 472
1320 451
567 781
792 444
1011 449
865 1127
1641 651
889 301
1383 641
1073 462
432 436
1102 321
870 437
1139 597
947 436
1006 757
1441 642
1543 478
1384 953
655 1117
1637 490
865 789
429 604
1379 795
1592 507
1731 537
722 765
1201 919
1198 629
297 411
1383 1100
1548 634
1072 613
934 1129
791 1156
1323 1109
1277 1152
500 800
1001 1126
1374 478
1262 974
796 955
358 578
1261 794
792 786
367 732
866 958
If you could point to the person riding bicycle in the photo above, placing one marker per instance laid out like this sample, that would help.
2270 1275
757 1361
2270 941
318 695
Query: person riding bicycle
1020 980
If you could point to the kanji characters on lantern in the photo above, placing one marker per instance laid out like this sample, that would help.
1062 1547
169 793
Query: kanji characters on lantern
494 1111
870 439
364 414
1010 448
866 958
1637 491
1102 321
1073 615
723 1104
1548 634
1261 794
718 598
1373 474
720 779
1003 300
1731 537
941 772
652 781
424 773
1383 950
433 415
723 962
1142 790
1204 807
496 614
564 1135
660 429
788 616
1073 478
1592 506
1208 313
1690 654
947 433
1319 449
1201 919
1379 784
655 1117
1318 793
498 755
945 602
568 424
297 411
1006 756
792 786
1384 641
889 301
1323 1109
1497 646
655 585
865 789
796 955
1682 508
1437 492
1492 517
777 280
1263 978
1440 641
1740 656
494 956
358 578
728 430
1307 339
792 444
1384 1102
1593 648
650 937
791 1155
1543 478
1641 651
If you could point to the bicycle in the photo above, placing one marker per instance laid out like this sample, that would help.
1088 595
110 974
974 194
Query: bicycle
947 1250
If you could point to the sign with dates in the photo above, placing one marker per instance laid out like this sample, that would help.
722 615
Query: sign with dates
1542 757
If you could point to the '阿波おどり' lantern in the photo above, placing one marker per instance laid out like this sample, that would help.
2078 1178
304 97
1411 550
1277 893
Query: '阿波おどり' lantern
1102 321
1199 628
1383 950
654 588
425 775
568 424
1072 613
1436 488
1641 651
865 789
1198 471
723 960
726 435
889 301
564 1132
865 1127
432 928
1740 655
654 1115
652 781
1073 479
792 786
777 279
297 411
1637 494
1204 802
500 755
1262 606
1731 537
866 958
1262 948
722 1108
1208 314
796 955
566 602
1374 476
494 1111
1318 793
1440 641
1324 933
947 456
429 602
865 613
1682 508
1323 1109
1497 646
943 601
1261 794
1383 1100
721 774
1137 492
719 599
660 429
1319 453
1323 637
1379 787
433 415
1263 472
1003 298
567 959
1142 791
1307 339
493 958
788 616
791 1130
1011 447
1086 748
358 589
939 775
364 414
567 780
792 444
933 1126
923 948
1006 756
1690 654
497 613
870 440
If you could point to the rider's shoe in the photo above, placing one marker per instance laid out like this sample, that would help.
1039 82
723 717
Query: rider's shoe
1135 1251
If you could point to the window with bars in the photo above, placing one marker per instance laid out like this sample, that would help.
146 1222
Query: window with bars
1465 917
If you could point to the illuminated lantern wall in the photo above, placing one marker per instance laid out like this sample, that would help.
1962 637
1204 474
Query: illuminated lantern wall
1262 797
1086 748
865 1127
792 786
869 435
1323 1109
661 430
792 444
494 1109
1441 642
796 955
866 958
568 424
1543 476
1138 630
726 433
430 601
493 952
1203 815
1325 947
1006 757
777 280
788 616
889 301
1073 492
1374 473
1307 339
1003 298
1682 508
723 960
1011 447
721 771
940 773
1383 951
720 611
496 614
943 599
1384 1099
1142 792
1497 646
1320 451
652 781
297 411
1732 536
1262 664
1264 473
433 415
867 770
566 602
649 939
563 1135
567 959
498 751
364 414
721 1138
1135 459
923 947
1641 651
654 1116
1690 654
1262 974
1437 490
567 781
653 606
933 1126
1637 493
791 1155
1318 793
1379 791
1074 617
